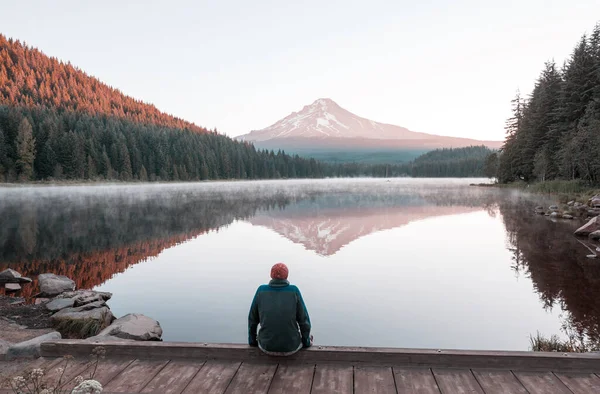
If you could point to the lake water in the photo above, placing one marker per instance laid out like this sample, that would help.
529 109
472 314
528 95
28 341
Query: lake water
417 263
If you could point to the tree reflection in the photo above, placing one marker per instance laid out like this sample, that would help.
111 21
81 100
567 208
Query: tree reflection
562 275
93 238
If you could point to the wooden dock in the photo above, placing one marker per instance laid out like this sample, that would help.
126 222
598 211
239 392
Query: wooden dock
168 367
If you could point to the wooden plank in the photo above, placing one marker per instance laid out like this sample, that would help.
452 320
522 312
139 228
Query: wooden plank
333 379
104 372
213 378
66 371
580 382
462 359
252 378
499 382
174 377
541 383
296 379
415 380
137 375
374 380
457 381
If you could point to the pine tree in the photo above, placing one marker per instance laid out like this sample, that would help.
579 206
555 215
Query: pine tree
143 174
25 150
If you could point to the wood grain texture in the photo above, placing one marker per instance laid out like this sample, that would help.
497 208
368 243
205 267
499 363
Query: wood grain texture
296 379
457 381
580 382
415 380
463 359
252 378
174 377
333 379
499 382
541 383
374 380
213 378
136 376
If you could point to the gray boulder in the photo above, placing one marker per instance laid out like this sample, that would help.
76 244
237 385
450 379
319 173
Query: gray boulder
555 215
567 216
593 212
60 303
82 297
553 208
51 285
570 203
12 276
594 201
82 321
134 326
30 348
539 210
589 227
595 235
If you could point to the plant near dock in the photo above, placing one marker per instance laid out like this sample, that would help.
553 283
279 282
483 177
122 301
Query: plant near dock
37 381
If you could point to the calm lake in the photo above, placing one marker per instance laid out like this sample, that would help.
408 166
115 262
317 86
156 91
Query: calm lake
402 263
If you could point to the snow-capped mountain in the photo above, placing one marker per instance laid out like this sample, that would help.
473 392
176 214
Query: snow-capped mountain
324 123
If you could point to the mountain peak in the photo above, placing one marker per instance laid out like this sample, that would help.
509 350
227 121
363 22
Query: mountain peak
325 123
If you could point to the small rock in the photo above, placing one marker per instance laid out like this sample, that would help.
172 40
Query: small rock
571 203
595 235
4 345
593 212
555 215
51 285
12 276
60 303
567 216
539 210
577 204
594 201
589 227
134 326
553 208
30 348
41 300
12 287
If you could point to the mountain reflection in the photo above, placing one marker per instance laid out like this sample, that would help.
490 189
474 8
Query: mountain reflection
327 223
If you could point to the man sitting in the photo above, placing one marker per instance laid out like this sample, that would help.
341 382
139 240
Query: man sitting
279 309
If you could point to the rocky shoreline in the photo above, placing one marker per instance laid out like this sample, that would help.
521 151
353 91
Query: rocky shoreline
60 311
589 210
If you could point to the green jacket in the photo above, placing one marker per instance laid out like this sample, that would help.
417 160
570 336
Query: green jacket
284 322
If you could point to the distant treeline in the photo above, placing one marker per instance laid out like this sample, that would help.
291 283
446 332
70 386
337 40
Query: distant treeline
555 132
45 144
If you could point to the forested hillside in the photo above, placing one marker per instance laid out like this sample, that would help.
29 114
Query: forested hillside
449 162
554 133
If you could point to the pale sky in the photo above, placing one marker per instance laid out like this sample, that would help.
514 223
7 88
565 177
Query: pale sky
439 66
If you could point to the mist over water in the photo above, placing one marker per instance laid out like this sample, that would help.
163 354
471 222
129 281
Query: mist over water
406 262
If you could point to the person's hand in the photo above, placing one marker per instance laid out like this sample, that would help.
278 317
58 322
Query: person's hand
311 342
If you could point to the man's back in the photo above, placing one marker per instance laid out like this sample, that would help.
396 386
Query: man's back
280 310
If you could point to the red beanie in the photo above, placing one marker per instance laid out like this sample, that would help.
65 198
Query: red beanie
279 271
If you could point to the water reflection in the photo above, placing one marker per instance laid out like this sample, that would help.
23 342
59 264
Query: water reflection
93 234
557 264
